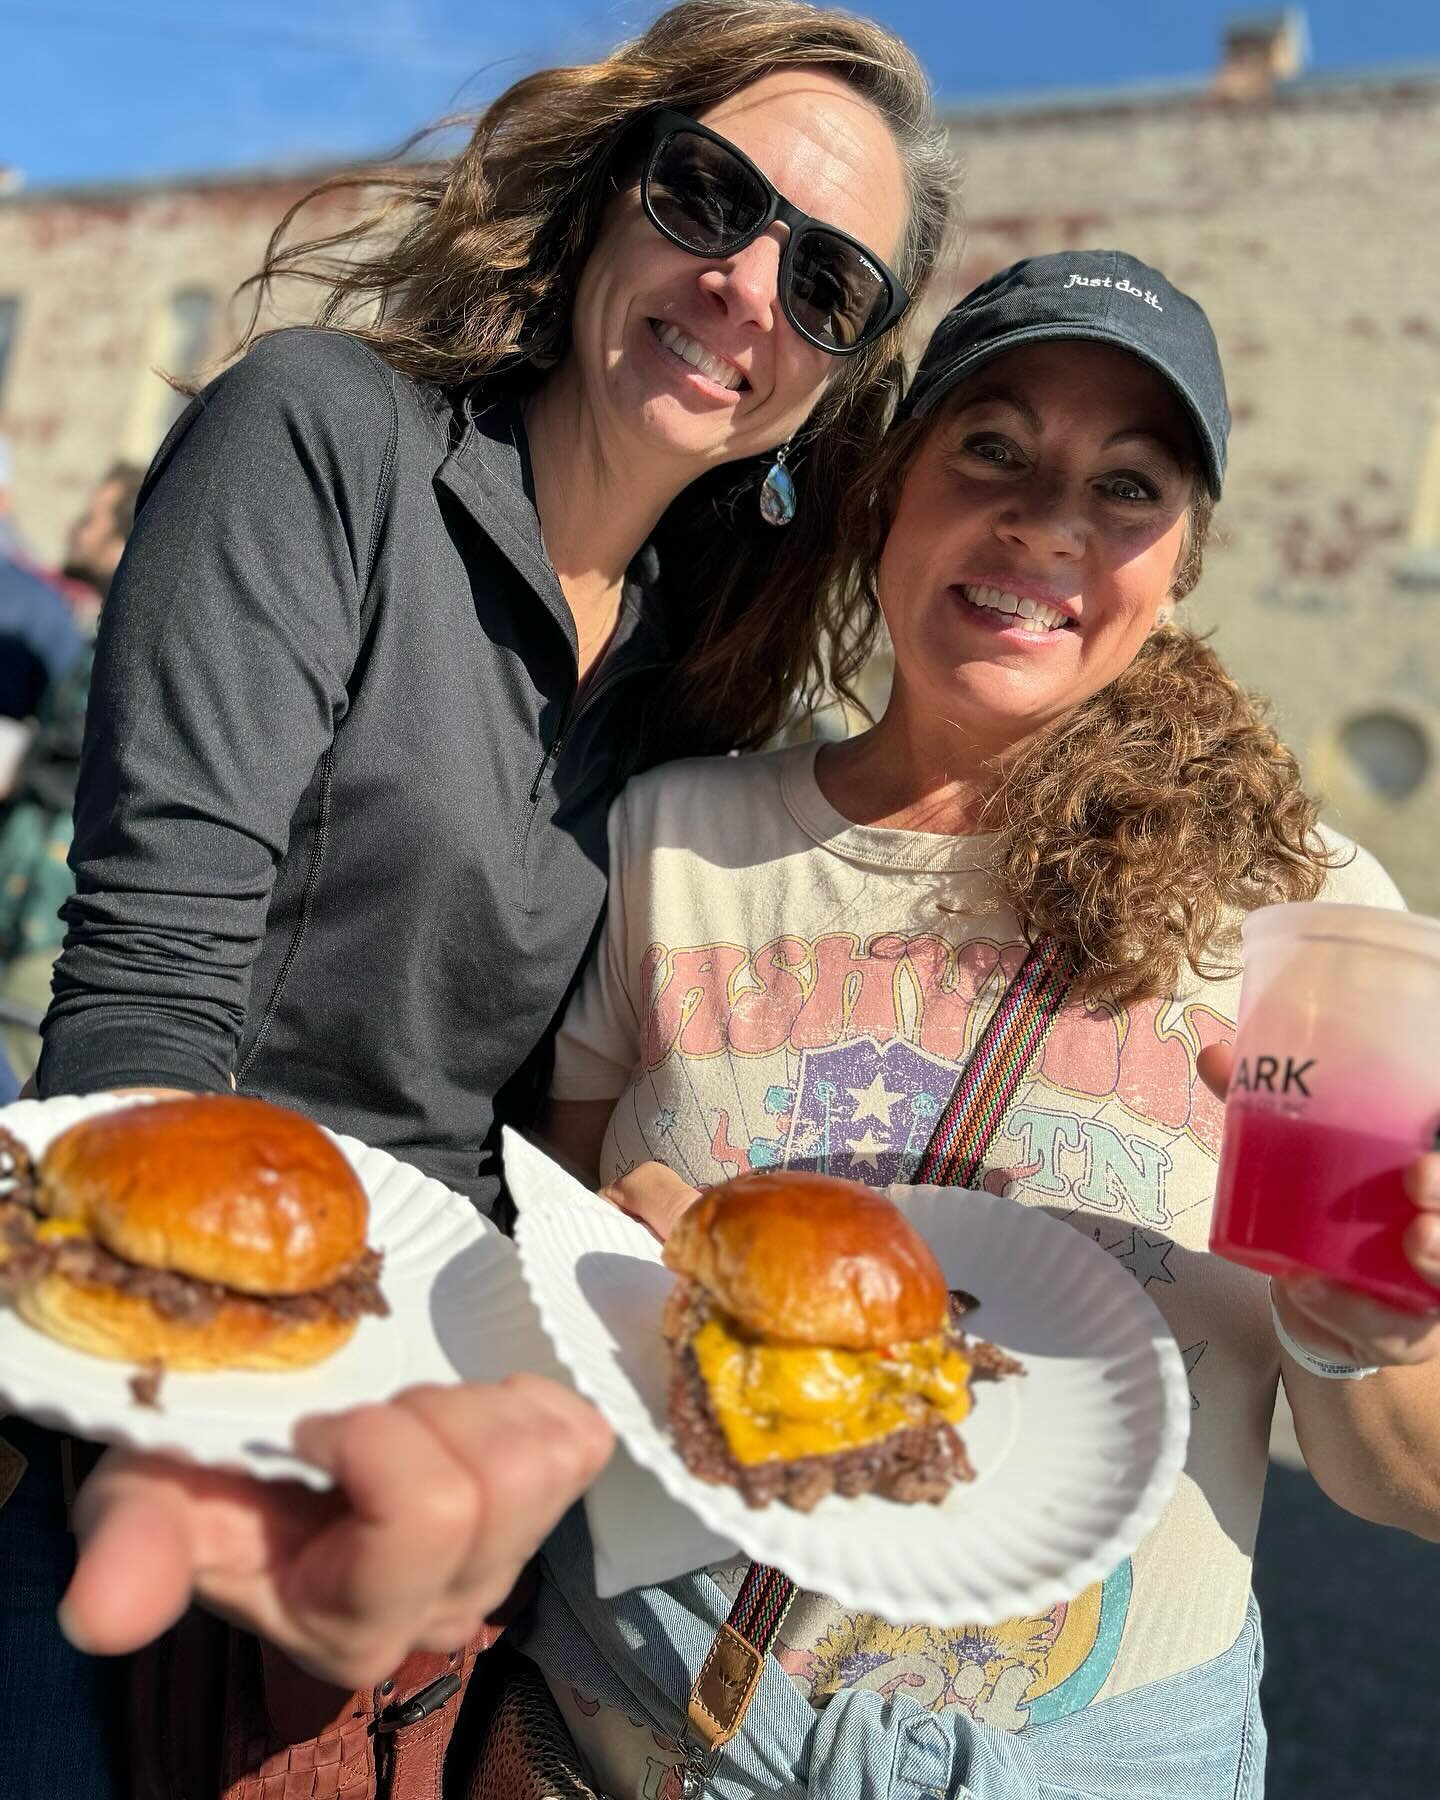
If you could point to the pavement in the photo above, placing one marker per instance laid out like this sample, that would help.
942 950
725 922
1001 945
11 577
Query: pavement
1352 1646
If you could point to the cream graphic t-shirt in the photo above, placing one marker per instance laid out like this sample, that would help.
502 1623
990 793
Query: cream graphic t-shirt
776 987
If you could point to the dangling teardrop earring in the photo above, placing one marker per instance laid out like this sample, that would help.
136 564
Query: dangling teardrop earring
778 504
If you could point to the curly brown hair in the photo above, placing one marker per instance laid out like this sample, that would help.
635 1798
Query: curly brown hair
1140 828
465 269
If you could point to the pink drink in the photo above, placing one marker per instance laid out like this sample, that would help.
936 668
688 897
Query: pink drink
1295 1197
1336 1089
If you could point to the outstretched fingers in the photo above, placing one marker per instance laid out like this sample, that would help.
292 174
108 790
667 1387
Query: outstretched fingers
153 1532
135 1568
531 1448
441 1497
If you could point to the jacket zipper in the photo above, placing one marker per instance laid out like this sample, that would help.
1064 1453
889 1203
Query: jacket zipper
550 758
593 698
521 841
557 744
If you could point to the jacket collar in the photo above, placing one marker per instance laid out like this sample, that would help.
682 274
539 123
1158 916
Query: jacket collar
488 473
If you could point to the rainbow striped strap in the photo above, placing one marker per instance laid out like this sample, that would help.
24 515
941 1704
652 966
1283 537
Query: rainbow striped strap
761 1605
733 1667
965 1130
954 1157
734 1664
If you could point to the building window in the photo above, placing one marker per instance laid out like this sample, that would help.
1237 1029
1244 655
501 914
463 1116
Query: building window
1385 755
190 320
178 342
9 329
1421 567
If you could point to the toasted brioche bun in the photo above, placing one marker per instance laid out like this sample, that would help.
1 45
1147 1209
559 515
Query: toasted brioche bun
104 1321
219 1188
807 1259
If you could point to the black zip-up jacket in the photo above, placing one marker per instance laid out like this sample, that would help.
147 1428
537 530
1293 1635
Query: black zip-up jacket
340 829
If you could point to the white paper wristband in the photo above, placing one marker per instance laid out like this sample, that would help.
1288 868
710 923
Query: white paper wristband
1323 1366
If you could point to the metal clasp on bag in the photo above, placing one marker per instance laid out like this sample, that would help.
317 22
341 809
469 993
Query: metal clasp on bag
700 1764
400 1714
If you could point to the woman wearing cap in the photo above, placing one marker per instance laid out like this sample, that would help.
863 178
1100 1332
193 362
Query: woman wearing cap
406 599
801 946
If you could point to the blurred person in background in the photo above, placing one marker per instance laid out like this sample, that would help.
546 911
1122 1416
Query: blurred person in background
12 543
39 636
42 647
407 598
36 823
96 540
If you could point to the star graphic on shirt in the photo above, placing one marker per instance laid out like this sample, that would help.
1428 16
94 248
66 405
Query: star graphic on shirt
1190 1357
873 1102
666 1120
866 1149
1145 1259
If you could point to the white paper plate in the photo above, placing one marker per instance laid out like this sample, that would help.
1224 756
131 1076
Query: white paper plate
1075 1460
458 1310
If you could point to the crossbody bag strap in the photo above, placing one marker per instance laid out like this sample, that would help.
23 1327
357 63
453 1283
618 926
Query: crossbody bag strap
954 1157
1016 1030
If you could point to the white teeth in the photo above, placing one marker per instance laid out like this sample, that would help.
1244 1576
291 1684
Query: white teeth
698 357
1033 616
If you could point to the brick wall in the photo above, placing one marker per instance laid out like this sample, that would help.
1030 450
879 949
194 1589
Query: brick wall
95 274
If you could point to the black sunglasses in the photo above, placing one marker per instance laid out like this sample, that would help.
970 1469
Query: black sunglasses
703 194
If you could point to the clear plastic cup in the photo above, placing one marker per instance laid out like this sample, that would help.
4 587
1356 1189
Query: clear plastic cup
1336 1089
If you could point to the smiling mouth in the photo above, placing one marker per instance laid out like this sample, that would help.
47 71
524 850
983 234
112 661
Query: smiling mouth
1031 616
697 357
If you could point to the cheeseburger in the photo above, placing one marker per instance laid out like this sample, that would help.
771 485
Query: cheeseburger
206 1233
813 1345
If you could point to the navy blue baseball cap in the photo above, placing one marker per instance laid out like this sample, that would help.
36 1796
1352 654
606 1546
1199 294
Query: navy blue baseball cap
1100 295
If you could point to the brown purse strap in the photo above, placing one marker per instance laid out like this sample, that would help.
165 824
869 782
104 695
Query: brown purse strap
954 1157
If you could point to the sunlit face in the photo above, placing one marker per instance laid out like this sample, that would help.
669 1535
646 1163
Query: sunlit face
93 544
1036 537
827 150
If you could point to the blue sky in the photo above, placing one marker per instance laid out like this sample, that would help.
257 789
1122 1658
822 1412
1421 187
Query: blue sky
96 90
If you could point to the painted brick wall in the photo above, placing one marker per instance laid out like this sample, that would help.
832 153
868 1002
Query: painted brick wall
93 274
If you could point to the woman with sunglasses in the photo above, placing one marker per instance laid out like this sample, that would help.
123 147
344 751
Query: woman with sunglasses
801 955
407 598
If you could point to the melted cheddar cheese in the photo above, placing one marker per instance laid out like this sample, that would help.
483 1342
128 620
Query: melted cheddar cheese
792 1400
52 1231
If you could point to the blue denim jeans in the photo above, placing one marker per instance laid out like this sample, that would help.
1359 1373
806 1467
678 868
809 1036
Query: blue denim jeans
61 1713
1195 1736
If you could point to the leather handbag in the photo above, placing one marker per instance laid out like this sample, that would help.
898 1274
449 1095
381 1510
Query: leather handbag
527 1752
215 1714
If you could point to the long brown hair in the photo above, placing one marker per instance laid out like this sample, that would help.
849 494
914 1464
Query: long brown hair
1142 826
465 270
